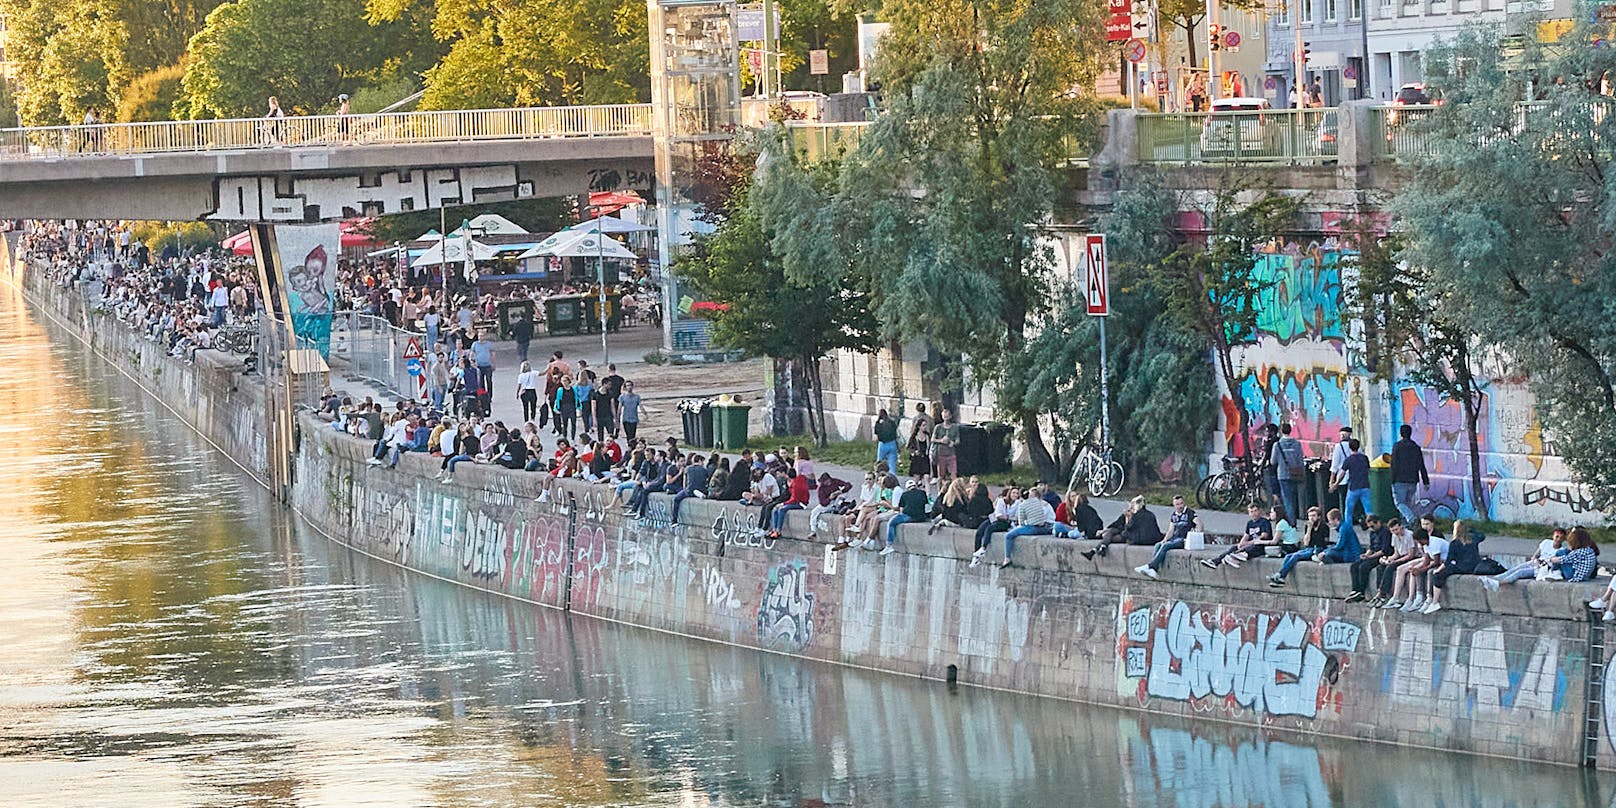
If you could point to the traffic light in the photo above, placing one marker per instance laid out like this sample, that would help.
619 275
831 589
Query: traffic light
1307 52
1214 36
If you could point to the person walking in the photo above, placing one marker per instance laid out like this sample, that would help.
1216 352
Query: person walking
522 333
886 441
1408 472
527 391
628 408
1355 474
1286 457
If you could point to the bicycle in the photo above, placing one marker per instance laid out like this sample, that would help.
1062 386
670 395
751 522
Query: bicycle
237 339
1238 484
1104 475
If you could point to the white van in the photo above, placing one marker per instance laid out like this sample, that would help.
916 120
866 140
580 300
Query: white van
1237 126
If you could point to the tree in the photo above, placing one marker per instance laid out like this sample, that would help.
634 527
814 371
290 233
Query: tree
1410 332
1509 213
305 52
152 96
1187 15
773 308
940 208
1214 289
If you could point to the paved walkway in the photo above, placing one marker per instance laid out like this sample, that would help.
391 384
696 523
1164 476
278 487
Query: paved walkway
662 386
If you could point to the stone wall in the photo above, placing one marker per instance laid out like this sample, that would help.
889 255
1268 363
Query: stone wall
1495 673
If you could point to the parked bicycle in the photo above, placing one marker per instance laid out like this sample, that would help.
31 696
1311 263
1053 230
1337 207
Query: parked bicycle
1103 475
1239 484
237 339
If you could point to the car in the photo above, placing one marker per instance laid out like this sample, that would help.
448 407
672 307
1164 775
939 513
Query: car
1238 126
1329 131
1411 94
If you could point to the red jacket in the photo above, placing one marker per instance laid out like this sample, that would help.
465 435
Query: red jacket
798 490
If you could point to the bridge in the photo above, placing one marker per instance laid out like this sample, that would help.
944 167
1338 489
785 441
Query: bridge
321 168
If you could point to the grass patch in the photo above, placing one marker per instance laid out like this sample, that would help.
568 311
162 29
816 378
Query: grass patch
859 454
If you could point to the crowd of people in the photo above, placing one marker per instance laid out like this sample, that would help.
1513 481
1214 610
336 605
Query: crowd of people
583 423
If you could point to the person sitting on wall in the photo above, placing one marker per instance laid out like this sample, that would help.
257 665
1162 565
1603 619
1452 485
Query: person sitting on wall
1179 524
1003 509
1137 526
1259 536
1433 550
1381 546
913 506
695 484
1034 517
1075 518
1346 549
834 497
1537 566
1464 558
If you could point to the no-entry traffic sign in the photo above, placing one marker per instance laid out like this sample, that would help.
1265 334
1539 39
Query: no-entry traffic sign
1135 50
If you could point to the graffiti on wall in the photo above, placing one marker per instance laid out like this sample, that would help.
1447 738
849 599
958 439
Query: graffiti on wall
1478 672
1274 664
785 617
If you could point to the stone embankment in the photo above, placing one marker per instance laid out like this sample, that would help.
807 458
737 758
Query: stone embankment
1503 673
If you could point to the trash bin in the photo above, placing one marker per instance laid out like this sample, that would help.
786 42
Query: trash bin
1306 494
1323 497
509 312
996 451
1380 488
564 315
729 423
971 453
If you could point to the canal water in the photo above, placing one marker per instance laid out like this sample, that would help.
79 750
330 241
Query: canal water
169 638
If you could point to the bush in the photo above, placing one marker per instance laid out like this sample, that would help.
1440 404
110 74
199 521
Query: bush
151 97
189 235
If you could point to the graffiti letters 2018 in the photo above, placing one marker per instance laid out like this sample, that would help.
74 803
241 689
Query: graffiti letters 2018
785 617
1277 665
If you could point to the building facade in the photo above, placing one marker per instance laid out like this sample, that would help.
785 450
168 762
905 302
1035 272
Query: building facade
1332 33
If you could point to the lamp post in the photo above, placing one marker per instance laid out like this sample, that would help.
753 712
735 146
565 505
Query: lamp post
600 276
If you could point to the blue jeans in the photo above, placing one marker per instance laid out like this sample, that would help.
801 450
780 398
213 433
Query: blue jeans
1403 496
892 527
777 520
1355 496
678 499
1024 530
1295 558
1162 549
457 459
888 452
1287 495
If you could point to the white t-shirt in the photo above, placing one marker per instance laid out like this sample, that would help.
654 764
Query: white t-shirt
767 486
1402 545
1545 549
528 380
1437 548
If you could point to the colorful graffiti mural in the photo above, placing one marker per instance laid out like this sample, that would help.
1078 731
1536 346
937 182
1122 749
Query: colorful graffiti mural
1273 664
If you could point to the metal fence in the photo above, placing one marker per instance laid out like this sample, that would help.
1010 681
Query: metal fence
1294 136
820 140
325 130
1399 132
373 350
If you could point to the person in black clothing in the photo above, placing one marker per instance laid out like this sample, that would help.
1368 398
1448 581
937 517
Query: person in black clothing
1179 524
1082 521
1408 472
696 476
515 454
522 332
606 395
1137 525
1380 547
1259 536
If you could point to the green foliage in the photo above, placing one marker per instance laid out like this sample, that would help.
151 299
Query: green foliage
544 216
188 235
305 52
71 56
979 98
533 53
1212 289
152 96
1510 213
381 94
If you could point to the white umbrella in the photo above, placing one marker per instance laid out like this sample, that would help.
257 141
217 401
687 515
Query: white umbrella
496 225
430 235
580 244
611 224
453 251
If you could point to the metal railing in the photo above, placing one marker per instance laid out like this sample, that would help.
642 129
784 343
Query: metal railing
1398 133
820 140
394 128
370 348
1294 136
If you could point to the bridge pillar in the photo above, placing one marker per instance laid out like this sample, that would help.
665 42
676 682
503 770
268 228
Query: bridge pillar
276 336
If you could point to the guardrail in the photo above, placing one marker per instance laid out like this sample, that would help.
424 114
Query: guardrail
1397 132
1293 136
393 128
819 140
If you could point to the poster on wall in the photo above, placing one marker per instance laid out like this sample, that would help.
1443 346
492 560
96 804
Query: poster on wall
308 256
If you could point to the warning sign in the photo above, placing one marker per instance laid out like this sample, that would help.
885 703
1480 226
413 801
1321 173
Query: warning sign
413 349
1097 282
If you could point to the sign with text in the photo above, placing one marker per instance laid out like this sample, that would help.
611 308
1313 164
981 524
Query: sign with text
1096 276
818 62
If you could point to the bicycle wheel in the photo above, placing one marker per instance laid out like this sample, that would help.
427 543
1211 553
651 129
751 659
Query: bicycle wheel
1098 480
1114 478
1203 497
1223 491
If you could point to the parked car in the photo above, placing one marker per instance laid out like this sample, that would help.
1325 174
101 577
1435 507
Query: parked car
1239 126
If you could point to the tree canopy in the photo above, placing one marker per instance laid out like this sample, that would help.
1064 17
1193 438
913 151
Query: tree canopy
1510 213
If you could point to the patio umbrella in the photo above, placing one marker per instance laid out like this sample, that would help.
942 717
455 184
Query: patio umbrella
611 225
496 225
580 244
453 251
356 233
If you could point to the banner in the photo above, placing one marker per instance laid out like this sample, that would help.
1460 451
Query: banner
308 256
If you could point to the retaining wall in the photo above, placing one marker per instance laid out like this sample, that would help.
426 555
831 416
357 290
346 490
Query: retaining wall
1494 673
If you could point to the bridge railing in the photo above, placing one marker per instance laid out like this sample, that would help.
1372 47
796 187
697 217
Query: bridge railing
1295 136
394 128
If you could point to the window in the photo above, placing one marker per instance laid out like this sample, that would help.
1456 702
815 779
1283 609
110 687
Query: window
1283 17
1357 9
1330 10
1307 11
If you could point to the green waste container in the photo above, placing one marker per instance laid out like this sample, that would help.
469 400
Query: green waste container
729 425
564 315
1380 491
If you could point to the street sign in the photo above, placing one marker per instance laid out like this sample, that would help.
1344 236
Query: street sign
1134 50
1142 21
413 365
1119 28
1160 79
1349 71
1097 276
1231 40
818 62
413 349
1270 83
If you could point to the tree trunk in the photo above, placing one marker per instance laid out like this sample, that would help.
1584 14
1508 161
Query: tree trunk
1189 42
817 401
1478 494
1043 463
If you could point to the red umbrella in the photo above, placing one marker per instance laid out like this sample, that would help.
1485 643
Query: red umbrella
356 233
606 203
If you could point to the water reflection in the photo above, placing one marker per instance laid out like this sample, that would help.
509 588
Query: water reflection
167 637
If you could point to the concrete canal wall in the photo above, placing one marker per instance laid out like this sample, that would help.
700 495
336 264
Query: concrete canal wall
1495 673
